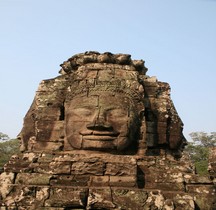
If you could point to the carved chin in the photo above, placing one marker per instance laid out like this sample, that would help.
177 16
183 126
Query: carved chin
103 143
98 145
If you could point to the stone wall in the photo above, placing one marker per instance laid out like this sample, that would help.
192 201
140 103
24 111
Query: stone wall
81 180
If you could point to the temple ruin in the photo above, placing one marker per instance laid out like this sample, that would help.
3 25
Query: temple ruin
104 135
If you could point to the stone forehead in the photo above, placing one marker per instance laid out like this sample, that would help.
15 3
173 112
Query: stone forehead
100 98
133 95
94 77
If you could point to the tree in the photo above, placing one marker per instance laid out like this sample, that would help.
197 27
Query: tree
3 137
199 149
8 147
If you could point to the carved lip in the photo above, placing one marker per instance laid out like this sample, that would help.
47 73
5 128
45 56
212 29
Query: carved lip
99 135
98 138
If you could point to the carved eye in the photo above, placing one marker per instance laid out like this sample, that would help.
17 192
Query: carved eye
117 113
82 112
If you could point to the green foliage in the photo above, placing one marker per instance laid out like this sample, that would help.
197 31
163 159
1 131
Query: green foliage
199 150
204 139
201 167
7 149
3 137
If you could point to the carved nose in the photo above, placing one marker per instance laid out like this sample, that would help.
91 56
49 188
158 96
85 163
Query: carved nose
100 124
99 127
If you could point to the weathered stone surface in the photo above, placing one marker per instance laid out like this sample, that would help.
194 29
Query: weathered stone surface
63 197
33 179
71 180
100 181
123 181
184 202
88 168
194 178
54 167
155 200
104 135
202 189
129 199
21 196
100 199
118 169
6 179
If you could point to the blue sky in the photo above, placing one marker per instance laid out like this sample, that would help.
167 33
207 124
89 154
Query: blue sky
176 38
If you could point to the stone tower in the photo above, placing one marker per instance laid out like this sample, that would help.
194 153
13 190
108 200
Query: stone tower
103 135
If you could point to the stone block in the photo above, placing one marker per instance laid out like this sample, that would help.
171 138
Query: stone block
60 167
129 199
16 168
165 186
205 201
155 200
6 180
54 168
99 181
30 157
162 174
195 178
184 202
33 179
21 163
94 168
123 181
100 198
42 193
120 169
66 197
71 180
45 157
205 189
115 158
21 196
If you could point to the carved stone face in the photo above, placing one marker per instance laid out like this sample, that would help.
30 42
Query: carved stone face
100 121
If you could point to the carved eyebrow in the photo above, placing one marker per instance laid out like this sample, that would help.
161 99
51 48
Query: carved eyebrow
85 107
114 108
